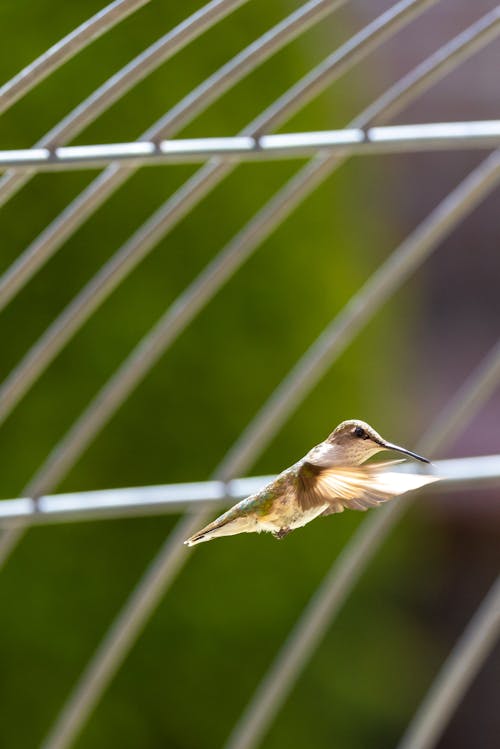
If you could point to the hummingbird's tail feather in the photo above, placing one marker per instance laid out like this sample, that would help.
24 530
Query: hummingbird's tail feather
228 524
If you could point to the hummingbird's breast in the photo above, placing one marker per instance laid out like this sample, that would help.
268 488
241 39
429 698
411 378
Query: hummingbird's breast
276 505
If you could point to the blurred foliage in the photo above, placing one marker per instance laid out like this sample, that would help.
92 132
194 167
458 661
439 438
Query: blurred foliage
218 628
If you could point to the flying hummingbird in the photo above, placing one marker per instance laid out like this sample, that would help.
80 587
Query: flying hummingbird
329 479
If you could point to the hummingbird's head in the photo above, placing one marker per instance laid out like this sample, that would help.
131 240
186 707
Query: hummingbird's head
356 441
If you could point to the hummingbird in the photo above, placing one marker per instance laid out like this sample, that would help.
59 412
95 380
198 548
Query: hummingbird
328 479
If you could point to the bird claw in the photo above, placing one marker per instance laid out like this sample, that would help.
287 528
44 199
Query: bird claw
282 533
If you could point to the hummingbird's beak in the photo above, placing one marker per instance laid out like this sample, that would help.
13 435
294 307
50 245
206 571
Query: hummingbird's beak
398 449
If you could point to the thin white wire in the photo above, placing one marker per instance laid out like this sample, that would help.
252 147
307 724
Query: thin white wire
65 49
344 573
456 674
238 149
49 241
483 471
107 660
118 84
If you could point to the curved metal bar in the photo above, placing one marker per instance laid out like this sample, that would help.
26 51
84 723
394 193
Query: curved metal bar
9 538
464 473
349 565
113 177
456 674
96 677
118 84
175 208
428 136
65 49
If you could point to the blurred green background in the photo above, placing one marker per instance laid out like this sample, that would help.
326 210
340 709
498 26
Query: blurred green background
218 628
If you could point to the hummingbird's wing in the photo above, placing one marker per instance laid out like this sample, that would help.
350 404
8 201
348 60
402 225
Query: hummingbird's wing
354 487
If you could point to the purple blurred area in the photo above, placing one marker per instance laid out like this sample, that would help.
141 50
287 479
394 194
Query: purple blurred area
459 322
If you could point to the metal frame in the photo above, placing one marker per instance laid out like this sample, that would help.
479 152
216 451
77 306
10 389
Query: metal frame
329 149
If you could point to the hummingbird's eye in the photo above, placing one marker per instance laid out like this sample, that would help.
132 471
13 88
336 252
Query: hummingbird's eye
360 432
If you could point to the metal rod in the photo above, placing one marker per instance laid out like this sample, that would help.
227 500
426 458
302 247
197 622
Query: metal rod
118 84
379 140
65 49
456 674
481 471
346 570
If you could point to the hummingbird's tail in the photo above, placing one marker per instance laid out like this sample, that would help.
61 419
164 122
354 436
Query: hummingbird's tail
228 524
